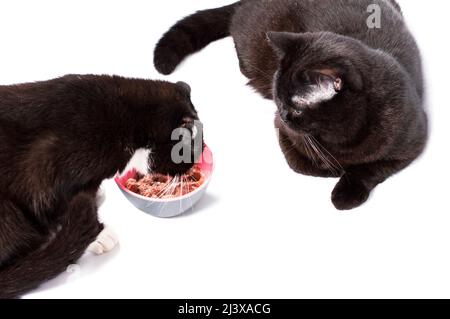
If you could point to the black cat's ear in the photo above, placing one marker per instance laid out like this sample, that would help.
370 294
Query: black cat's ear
186 88
282 42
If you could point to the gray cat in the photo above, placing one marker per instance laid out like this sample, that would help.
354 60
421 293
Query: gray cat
349 95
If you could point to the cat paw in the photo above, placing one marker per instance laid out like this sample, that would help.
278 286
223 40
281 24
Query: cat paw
349 194
106 241
165 60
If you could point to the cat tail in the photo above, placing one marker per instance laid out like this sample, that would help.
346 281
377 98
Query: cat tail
192 34
78 230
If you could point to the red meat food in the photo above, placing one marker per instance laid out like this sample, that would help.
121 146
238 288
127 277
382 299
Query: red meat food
166 187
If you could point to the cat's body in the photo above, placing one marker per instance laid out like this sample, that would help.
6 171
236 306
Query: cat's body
349 97
59 140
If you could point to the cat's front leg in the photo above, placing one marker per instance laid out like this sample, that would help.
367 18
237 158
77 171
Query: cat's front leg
355 186
106 241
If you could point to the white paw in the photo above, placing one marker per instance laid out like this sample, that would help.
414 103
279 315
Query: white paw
106 241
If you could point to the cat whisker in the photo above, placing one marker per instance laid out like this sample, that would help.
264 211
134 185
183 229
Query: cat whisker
317 156
168 191
330 166
336 162
309 152
292 147
324 159
150 162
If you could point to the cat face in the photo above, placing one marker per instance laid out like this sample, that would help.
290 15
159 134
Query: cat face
176 139
318 86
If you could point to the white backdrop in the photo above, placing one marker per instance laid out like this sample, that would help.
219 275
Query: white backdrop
262 231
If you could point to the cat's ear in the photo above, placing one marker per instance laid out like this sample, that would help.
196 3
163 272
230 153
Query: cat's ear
186 88
283 42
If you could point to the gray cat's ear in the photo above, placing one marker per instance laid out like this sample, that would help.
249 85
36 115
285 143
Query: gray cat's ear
282 41
186 88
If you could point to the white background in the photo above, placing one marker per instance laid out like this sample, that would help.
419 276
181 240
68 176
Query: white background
262 231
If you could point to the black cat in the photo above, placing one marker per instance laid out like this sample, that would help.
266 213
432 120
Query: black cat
349 95
59 140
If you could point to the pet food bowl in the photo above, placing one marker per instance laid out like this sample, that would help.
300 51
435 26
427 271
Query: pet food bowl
171 207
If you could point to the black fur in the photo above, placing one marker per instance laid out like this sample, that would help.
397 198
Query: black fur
191 35
372 126
59 140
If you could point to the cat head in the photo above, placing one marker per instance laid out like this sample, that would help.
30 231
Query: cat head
166 124
177 138
319 87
